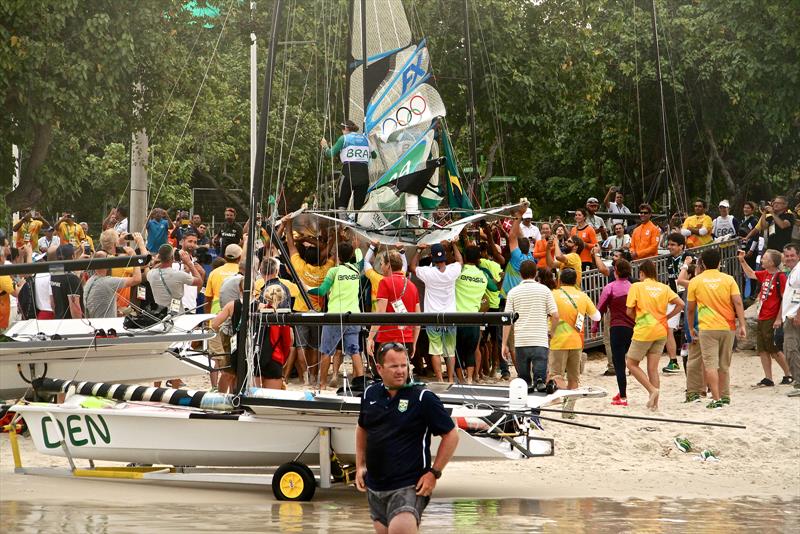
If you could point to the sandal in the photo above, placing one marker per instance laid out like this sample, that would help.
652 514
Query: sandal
765 383
787 380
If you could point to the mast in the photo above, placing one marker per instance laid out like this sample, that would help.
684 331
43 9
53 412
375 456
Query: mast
663 112
364 58
257 184
473 150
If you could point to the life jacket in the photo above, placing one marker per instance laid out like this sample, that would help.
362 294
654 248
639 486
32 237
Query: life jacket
355 149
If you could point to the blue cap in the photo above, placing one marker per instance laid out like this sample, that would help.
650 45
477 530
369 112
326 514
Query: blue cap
437 253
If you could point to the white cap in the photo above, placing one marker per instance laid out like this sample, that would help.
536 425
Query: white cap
724 204
528 214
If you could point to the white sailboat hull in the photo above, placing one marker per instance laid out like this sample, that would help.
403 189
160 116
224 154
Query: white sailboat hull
140 357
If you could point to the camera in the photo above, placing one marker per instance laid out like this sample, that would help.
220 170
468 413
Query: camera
127 237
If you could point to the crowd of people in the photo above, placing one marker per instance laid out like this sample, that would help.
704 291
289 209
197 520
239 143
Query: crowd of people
510 264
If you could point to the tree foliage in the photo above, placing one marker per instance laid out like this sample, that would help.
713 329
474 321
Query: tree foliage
566 97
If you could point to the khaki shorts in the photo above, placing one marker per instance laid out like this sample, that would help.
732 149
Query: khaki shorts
220 348
717 348
765 337
568 361
639 349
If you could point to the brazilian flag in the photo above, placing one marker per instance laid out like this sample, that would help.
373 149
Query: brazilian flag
456 195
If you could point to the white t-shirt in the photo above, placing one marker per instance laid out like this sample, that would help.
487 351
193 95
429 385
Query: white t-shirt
43 292
530 232
613 207
791 295
189 299
596 222
122 226
45 244
614 243
440 287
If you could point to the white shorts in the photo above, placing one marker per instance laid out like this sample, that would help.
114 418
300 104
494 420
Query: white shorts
675 322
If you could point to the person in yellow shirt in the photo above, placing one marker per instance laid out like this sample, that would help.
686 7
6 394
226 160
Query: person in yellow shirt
566 344
716 298
697 228
233 253
647 304
69 231
570 260
88 239
311 268
7 289
28 228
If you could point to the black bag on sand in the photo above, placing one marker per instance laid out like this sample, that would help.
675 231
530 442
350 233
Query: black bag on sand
146 317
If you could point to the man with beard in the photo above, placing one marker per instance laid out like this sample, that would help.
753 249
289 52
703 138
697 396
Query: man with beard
230 232
697 228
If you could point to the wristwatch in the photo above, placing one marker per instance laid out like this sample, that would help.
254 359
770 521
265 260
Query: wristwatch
436 473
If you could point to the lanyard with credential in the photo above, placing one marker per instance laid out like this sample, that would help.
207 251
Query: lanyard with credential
579 318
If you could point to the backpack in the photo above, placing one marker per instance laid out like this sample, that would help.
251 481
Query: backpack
26 300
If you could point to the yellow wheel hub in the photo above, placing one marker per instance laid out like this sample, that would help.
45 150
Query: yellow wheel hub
292 485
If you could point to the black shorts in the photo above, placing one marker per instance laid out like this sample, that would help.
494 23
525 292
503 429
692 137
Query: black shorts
384 505
467 338
268 368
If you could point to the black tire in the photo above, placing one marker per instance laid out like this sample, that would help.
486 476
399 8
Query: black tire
294 481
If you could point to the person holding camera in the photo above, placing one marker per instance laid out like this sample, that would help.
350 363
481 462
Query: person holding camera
167 283
158 226
615 203
28 227
69 231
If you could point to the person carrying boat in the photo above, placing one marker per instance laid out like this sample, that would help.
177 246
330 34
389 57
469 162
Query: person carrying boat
393 438
353 150
341 285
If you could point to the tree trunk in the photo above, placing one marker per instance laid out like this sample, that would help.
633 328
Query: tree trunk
731 185
29 193
709 181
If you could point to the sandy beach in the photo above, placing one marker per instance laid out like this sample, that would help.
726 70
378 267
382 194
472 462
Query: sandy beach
625 459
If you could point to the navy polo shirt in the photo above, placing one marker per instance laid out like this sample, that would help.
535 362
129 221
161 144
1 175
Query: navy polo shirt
399 434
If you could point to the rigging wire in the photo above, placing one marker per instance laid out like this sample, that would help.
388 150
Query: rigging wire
194 104
638 97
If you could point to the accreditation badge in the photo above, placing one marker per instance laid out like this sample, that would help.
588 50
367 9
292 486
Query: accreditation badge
402 406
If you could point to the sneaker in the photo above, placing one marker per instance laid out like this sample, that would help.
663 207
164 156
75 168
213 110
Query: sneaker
794 393
765 383
683 444
615 398
672 367
619 402
787 380
609 372
541 387
715 405
708 456
692 397
505 376
725 400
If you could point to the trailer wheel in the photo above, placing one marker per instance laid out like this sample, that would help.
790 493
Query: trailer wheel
294 481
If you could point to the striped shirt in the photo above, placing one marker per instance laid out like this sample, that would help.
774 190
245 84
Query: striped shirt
534 303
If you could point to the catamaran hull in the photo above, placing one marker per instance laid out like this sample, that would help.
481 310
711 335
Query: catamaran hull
130 358
182 437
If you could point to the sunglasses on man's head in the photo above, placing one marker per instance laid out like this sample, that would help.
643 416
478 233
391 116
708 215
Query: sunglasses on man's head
392 345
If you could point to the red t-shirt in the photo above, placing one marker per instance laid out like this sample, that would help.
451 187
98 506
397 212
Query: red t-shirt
771 293
392 288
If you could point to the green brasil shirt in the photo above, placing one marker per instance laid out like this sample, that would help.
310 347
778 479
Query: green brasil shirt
470 287
341 284
494 270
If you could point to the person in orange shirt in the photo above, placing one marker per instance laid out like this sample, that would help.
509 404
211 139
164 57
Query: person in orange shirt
644 241
540 248
586 232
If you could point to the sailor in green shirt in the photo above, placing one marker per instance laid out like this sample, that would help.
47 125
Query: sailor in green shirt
470 288
341 285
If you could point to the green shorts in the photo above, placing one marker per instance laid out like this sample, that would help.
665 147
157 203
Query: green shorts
442 340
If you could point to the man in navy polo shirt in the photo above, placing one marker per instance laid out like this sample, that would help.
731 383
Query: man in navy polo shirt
393 439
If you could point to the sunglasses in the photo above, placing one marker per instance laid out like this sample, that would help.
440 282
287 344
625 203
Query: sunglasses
645 213
392 345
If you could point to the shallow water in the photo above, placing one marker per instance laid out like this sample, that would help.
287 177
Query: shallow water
462 516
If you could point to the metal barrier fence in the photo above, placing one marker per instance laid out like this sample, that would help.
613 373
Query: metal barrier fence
593 281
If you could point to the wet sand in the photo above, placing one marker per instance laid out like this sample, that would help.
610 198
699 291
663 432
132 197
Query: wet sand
625 459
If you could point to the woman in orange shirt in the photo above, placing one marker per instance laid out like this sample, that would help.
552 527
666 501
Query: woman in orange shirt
585 231
540 248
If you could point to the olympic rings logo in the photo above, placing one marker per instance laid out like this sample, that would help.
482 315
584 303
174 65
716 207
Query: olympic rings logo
405 114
